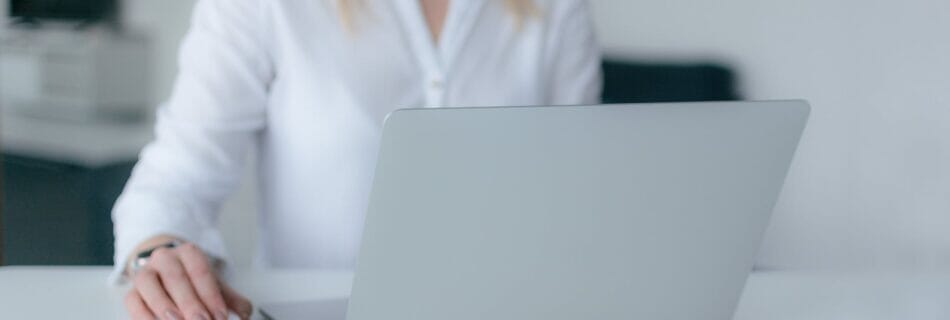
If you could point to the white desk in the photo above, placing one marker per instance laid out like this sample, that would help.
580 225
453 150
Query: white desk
85 144
81 293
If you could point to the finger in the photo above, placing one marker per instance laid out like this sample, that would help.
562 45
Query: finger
177 284
151 291
203 279
236 302
136 307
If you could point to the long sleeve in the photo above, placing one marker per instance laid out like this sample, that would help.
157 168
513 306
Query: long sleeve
574 58
203 132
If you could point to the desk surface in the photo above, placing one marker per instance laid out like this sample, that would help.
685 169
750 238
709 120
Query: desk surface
82 293
84 144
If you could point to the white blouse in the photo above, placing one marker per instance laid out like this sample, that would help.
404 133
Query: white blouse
289 80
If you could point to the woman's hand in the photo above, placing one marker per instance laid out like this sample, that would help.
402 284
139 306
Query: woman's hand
181 284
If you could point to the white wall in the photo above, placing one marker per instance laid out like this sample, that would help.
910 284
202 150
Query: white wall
165 22
871 184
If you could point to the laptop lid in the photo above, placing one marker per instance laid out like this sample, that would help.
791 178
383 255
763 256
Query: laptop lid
649 211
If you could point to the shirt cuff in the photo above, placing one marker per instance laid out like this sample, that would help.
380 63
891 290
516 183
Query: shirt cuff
137 220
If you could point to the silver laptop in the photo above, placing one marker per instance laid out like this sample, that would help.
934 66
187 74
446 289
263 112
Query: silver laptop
642 211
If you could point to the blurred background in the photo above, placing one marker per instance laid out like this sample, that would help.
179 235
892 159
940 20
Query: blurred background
869 189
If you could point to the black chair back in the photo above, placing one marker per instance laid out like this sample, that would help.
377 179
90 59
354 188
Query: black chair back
631 82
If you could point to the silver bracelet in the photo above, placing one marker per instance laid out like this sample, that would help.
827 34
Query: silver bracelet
142 257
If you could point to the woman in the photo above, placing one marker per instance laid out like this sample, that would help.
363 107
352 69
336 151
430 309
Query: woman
306 84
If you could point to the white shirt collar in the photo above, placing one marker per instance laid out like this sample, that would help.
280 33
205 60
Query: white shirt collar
459 20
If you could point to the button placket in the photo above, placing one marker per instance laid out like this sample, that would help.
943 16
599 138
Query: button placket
435 90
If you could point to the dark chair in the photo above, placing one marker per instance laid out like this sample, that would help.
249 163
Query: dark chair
1 212
628 81
58 213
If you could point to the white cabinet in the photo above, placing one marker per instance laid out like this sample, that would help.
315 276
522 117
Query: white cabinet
86 75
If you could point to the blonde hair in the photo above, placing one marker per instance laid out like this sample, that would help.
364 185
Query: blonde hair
521 10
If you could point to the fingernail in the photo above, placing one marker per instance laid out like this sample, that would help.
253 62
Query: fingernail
202 316
222 315
171 315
